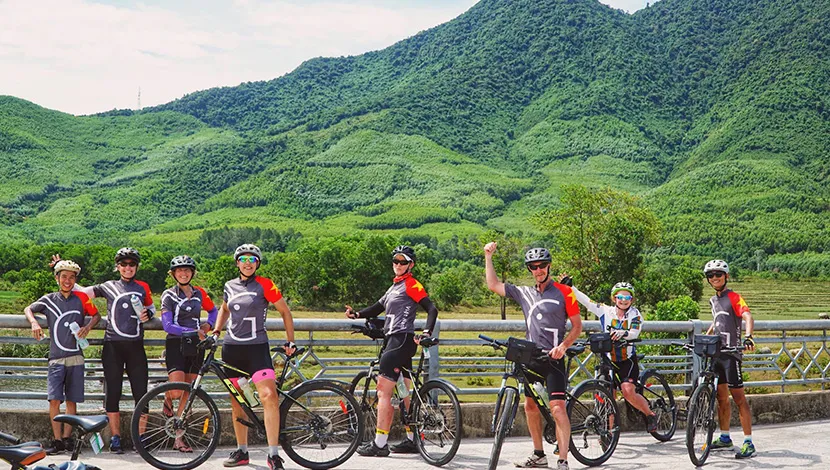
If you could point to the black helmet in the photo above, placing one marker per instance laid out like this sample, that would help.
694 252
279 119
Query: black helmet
404 250
537 254
127 253
182 261
247 249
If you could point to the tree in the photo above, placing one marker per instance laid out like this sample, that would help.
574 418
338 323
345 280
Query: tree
508 259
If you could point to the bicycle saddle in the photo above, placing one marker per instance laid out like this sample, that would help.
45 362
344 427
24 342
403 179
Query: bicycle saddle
87 423
575 350
23 454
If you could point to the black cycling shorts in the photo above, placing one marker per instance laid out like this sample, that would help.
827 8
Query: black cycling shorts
729 372
551 374
400 347
626 371
247 357
116 357
177 362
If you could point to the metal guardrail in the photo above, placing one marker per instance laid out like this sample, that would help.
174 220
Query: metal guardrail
799 355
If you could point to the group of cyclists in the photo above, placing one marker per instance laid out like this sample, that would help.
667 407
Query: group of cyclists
547 307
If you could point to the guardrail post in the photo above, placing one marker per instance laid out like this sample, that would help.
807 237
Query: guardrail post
434 357
696 330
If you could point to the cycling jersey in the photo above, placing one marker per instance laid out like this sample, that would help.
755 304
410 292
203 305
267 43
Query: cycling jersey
123 323
632 322
728 308
180 314
248 304
546 313
401 304
61 312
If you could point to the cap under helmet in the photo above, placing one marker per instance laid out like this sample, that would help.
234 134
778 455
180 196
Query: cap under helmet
716 265
127 253
182 261
404 250
621 286
247 249
67 265
537 254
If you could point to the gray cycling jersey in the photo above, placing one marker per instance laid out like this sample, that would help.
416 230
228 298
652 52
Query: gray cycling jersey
400 302
60 313
546 313
248 303
123 323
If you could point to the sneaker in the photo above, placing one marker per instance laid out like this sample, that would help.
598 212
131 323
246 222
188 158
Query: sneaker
562 465
115 445
721 443
534 461
275 462
651 423
236 459
746 450
405 447
55 447
69 444
372 450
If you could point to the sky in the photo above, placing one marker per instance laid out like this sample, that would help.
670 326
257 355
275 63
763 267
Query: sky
85 56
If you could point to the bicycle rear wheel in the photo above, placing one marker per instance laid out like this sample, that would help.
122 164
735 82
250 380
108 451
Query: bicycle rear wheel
321 424
506 409
657 392
435 417
700 424
172 427
595 429
368 402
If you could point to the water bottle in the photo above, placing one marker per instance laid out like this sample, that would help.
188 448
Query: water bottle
83 343
248 391
403 390
540 389
138 306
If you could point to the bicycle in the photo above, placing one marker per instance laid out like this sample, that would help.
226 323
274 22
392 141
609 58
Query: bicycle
320 423
435 413
20 454
590 407
651 385
701 419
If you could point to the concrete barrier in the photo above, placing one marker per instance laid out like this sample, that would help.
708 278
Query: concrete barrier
766 409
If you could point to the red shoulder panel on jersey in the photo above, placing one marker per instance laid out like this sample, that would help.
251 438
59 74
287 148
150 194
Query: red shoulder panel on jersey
738 305
571 306
207 303
89 307
148 299
272 294
414 289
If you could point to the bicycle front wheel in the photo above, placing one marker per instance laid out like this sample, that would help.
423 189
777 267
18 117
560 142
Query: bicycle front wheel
700 424
595 429
506 408
178 433
660 398
321 424
368 402
435 418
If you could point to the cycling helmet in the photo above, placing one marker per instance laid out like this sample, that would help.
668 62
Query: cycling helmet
182 261
404 250
621 286
247 249
537 254
67 265
716 265
127 253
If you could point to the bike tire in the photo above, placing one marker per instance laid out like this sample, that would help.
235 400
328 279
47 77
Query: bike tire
654 388
595 429
320 424
368 402
506 407
435 417
199 427
700 424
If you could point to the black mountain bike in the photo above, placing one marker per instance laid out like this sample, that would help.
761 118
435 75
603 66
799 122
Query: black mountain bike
591 409
434 414
651 385
701 419
320 423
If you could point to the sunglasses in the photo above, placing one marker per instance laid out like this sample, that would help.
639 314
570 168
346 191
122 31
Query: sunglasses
248 259
401 262
130 264
714 274
534 267
623 297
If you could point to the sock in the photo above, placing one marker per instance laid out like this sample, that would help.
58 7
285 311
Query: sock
724 435
274 451
409 434
381 437
243 448
538 453
748 438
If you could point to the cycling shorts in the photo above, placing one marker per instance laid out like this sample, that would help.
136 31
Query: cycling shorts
729 372
250 358
400 347
177 362
551 374
626 371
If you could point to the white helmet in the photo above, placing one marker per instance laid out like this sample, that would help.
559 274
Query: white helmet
621 286
716 265
67 265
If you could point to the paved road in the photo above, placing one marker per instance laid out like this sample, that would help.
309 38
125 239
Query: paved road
791 446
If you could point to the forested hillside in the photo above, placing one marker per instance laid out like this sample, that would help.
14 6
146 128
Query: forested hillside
715 112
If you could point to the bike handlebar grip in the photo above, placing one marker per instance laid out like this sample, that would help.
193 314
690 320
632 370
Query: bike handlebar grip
8 437
487 338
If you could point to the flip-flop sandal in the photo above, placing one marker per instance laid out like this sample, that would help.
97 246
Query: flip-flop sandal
167 409
181 446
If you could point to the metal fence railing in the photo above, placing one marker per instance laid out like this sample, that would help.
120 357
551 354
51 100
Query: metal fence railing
790 353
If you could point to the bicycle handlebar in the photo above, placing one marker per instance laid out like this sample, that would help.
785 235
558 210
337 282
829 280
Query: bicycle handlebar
8 437
281 350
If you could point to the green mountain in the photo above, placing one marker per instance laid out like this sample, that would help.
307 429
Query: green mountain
714 111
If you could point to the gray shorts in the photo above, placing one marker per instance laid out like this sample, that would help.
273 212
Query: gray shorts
65 383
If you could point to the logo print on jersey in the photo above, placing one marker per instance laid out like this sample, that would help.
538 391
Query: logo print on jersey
59 322
114 309
232 325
